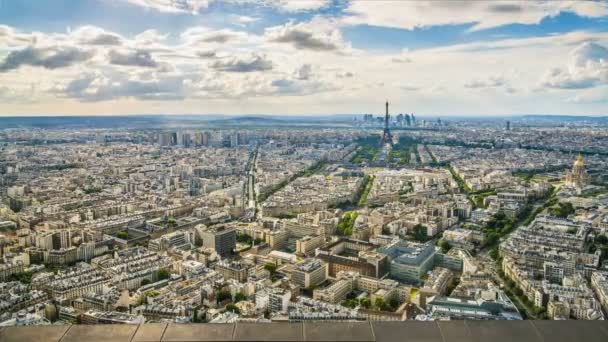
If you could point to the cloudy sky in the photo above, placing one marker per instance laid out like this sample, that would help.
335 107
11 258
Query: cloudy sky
303 57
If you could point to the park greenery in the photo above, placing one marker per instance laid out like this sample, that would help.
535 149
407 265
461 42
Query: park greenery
461 183
601 243
346 224
233 308
239 296
92 190
479 198
124 235
270 267
419 233
498 226
364 302
25 277
368 149
368 182
223 295
444 245
401 151
562 210
163 274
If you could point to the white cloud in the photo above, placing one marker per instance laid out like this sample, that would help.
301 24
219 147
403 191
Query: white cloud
171 6
482 14
587 68
296 5
91 35
132 58
590 96
194 6
317 35
48 58
201 36
251 63
246 20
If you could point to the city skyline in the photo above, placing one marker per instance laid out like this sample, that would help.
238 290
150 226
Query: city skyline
279 57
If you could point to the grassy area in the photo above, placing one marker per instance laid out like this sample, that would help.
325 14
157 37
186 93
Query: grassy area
401 151
365 154
478 198
368 183
368 149
528 175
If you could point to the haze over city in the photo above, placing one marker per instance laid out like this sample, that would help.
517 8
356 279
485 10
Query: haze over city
472 58
303 170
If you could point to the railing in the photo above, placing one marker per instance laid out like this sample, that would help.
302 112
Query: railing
414 331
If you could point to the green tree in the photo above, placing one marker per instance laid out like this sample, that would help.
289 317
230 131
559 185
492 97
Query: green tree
233 308
445 246
270 267
419 232
122 235
350 303
365 302
601 240
240 296
380 304
145 282
172 221
163 274
222 295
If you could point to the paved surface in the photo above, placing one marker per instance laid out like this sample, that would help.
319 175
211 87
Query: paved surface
448 331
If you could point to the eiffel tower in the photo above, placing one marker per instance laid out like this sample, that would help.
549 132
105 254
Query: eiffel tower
387 137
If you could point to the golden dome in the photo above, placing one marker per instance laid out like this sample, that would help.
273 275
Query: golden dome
579 161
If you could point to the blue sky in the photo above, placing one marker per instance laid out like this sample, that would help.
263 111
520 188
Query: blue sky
303 56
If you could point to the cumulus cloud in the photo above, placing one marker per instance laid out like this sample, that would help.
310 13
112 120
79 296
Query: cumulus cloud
254 62
482 14
100 87
589 96
194 6
246 20
132 58
491 82
207 54
295 6
91 35
317 35
293 87
150 38
304 72
172 6
48 57
203 36
587 68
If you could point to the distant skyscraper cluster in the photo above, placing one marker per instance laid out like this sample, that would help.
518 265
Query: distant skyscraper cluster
206 138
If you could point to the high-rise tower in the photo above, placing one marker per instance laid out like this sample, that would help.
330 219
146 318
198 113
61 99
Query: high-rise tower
387 137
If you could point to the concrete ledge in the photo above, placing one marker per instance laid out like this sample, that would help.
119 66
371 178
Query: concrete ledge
276 332
408 331
33 334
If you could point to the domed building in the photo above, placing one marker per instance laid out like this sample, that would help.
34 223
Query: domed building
577 177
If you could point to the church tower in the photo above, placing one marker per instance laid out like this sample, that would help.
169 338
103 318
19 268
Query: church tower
578 176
